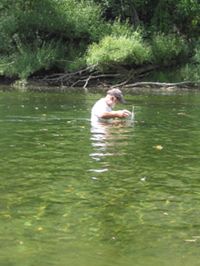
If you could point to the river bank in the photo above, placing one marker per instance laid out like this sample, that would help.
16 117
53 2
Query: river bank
140 87
163 81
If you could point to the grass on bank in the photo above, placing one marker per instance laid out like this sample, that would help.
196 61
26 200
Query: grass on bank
28 60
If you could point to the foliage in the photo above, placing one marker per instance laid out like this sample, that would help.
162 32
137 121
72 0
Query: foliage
67 35
124 10
52 24
180 16
116 50
191 71
27 61
187 17
118 29
68 19
131 49
196 57
167 48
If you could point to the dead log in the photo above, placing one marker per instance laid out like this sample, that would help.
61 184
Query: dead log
182 84
121 77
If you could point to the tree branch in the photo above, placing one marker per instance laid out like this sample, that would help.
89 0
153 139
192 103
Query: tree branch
160 84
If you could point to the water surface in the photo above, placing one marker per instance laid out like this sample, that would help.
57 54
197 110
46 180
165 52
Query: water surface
127 194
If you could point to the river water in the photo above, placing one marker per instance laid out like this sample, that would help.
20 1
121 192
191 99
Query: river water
128 194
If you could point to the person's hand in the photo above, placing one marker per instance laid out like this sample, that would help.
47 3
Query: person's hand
123 113
126 113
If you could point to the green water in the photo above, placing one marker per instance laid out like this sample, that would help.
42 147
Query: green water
71 196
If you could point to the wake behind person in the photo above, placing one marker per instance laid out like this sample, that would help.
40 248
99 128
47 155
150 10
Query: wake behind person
102 110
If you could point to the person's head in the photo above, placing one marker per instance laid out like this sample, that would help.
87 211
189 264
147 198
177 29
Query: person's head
114 96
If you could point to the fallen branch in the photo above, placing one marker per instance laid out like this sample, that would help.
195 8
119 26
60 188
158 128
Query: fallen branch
134 74
122 78
160 84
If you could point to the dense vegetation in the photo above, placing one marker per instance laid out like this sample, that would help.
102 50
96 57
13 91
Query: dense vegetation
109 36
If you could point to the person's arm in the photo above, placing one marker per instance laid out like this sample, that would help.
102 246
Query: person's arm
115 114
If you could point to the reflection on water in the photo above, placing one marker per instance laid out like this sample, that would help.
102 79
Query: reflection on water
104 135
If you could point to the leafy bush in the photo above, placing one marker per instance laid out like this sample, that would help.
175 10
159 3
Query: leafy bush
7 29
116 50
123 29
166 48
41 27
70 34
191 71
27 61
196 57
70 19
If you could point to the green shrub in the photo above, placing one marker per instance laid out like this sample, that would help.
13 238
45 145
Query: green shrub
118 28
41 27
70 34
191 71
29 60
7 29
118 50
166 48
196 57
63 19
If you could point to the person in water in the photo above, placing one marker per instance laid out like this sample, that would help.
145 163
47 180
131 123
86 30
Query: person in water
102 109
